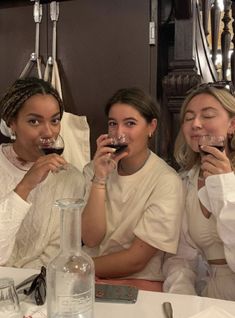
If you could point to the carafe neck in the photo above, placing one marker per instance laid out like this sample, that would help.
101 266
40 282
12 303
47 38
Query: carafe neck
70 225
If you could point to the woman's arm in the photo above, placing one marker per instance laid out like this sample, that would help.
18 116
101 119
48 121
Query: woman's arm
38 172
44 254
125 262
93 216
14 206
13 210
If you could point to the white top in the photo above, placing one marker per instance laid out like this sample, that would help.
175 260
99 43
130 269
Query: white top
218 196
29 230
202 230
146 204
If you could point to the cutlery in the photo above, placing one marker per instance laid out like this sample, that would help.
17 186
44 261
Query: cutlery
167 308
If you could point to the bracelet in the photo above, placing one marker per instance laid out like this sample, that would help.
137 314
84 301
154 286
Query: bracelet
98 180
98 186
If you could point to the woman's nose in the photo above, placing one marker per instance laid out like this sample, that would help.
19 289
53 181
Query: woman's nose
196 123
47 130
120 131
117 131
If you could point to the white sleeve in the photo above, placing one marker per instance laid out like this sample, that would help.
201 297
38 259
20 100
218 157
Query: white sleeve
218 196
180 270
12 212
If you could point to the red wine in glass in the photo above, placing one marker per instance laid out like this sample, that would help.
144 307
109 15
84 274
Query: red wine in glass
50 145
119 147
220 148
50 150
120 143
212 141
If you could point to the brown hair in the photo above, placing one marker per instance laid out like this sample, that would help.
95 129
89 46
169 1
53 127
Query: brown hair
138 99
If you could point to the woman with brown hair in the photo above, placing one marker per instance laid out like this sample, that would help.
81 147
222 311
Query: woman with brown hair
133 212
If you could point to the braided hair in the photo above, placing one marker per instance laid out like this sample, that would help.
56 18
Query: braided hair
13 100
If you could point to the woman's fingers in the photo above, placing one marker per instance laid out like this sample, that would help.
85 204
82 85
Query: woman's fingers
105 158
39 171
213 151
102 140
216 166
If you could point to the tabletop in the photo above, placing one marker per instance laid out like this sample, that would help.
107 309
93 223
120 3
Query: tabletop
148 305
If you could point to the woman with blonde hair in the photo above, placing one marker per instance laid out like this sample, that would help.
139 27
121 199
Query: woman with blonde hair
208 231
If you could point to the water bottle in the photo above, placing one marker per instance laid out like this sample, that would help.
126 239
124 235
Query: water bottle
71 274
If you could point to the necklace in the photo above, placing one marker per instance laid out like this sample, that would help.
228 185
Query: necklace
125 172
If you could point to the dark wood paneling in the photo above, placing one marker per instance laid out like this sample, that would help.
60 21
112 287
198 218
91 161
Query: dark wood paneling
18 3
102 46
17 38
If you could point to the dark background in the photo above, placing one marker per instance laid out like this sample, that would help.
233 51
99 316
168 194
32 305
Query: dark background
101 46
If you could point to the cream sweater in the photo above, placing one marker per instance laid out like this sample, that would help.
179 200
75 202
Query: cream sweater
29 231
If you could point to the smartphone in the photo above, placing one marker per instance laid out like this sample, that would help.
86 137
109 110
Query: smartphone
116 293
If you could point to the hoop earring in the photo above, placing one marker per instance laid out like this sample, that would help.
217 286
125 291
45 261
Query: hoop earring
13 136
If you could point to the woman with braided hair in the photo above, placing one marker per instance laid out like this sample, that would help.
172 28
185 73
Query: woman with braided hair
29 225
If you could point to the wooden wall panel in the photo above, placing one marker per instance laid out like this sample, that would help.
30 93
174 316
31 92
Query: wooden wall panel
102 46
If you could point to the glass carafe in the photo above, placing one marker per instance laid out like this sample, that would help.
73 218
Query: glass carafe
70 275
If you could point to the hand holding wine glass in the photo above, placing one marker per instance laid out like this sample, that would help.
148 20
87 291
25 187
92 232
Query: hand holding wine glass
213 141
50 161
110 149
119 142
53 145
213 161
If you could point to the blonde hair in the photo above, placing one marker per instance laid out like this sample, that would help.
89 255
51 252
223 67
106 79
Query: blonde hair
184 155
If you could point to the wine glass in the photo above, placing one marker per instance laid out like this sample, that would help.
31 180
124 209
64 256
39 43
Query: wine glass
9 301
120 143
51 145
213 141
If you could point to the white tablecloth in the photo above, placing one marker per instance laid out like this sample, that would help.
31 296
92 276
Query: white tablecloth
148 305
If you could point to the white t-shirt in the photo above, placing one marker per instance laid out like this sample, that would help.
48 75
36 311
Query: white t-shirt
146 204
182 271
29 230
202 230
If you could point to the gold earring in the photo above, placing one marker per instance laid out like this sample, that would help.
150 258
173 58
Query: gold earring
13 136
150 135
